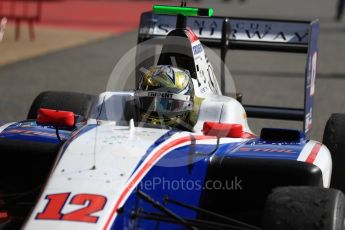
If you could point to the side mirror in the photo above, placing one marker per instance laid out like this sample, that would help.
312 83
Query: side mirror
55 118
222 129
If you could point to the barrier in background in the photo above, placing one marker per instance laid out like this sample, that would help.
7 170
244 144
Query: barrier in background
22 11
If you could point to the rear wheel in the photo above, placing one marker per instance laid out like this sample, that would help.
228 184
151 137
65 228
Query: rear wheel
79 103
334 139
312 208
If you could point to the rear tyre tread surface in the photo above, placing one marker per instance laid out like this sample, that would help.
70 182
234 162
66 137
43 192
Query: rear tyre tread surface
334 139
297 208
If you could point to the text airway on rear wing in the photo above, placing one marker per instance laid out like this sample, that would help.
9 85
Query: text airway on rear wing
242 33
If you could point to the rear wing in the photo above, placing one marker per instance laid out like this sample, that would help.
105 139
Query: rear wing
250 34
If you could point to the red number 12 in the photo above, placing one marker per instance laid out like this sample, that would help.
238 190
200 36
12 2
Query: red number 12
92 203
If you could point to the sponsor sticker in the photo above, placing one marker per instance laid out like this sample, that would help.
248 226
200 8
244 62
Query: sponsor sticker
313 74
197 49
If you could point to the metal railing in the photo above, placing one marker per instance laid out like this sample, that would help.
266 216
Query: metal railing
22 11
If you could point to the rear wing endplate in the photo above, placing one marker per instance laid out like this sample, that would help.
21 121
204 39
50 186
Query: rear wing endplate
250 34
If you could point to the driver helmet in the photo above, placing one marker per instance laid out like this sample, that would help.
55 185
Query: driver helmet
165 95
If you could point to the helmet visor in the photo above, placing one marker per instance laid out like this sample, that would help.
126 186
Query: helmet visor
160 102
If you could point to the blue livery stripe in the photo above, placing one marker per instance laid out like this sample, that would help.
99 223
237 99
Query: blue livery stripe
30 131
261 149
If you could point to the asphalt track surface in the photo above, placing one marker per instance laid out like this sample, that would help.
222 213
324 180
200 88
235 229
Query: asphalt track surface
263 78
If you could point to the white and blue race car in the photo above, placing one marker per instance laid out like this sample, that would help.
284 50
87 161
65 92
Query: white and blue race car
74 164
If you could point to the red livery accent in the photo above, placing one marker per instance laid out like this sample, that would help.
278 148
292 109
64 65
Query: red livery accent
313 154
53 209
222 130
92 203
3 216
246 149
246 135
30 132
55 118
192 36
